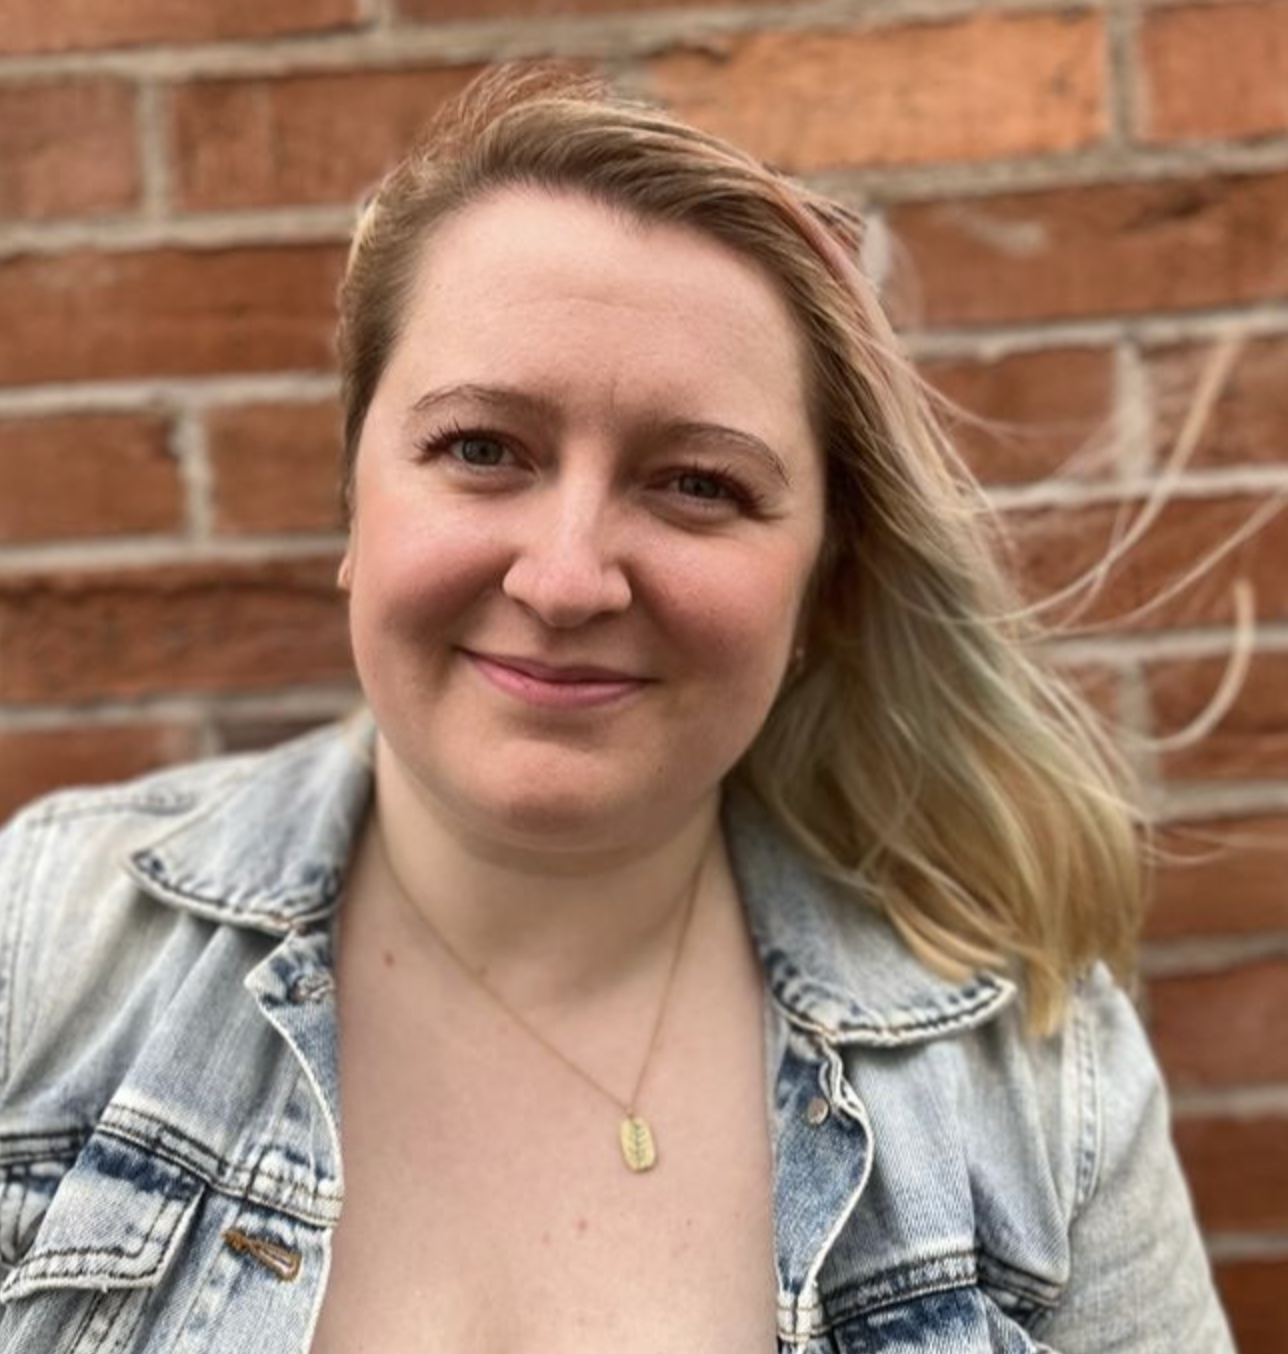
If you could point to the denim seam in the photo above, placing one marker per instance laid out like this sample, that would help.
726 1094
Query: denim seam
1087 1164
24 871
901 1286
60 1252
282 1202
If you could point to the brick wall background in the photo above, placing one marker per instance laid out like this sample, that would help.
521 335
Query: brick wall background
1072 204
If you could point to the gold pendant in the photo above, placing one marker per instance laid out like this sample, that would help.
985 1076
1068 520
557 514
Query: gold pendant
639 1152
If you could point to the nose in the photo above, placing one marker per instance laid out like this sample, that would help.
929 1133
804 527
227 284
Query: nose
566 570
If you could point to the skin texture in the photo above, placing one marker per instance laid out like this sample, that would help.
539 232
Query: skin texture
579 523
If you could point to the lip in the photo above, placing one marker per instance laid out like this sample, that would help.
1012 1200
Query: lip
573 686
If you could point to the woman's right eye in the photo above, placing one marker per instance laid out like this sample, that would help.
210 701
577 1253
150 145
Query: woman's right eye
479 451
474 450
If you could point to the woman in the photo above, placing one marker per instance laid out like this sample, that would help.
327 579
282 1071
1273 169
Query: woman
703 938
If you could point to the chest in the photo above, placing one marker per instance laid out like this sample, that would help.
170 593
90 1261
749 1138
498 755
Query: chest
487 1206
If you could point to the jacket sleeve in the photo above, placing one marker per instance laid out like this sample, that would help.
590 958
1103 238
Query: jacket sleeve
1140 1282
14 844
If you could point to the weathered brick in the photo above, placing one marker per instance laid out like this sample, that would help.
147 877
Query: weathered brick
67 149
1252 1292
433 11
1250 742
35 761
238 733
77 636
1109 249
1040 408
1053 547
1248 423
301 138
1223 877
1188 94
966 89
67 25
1226 1028
276 467
89 315
97 474
1237 1169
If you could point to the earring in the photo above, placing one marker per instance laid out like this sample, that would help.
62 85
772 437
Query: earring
798 660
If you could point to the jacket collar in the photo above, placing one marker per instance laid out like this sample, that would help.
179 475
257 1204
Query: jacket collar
266 845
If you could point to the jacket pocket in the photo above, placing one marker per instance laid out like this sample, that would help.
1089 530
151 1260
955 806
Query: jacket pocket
116 1220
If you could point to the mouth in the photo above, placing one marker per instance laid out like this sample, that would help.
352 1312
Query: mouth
571 686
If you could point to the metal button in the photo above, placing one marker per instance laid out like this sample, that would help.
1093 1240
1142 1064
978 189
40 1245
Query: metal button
313 986
816 1111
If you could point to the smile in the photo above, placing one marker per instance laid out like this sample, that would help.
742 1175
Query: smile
556 688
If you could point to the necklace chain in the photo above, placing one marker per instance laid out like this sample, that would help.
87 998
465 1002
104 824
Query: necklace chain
636 1137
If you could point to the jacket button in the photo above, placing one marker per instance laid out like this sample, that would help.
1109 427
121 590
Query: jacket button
314 986
816 1111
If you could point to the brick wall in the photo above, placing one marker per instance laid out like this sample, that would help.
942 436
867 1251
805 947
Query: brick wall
1072 204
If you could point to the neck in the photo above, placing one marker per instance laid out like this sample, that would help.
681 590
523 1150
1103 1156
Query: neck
547 926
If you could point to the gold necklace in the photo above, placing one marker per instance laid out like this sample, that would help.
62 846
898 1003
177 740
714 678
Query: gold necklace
635 1136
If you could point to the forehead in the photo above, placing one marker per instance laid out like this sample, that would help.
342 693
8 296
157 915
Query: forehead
564 291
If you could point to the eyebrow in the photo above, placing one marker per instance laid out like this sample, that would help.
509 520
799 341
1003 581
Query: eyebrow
512 399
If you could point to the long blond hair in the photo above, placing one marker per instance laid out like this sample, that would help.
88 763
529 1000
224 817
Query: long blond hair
922 755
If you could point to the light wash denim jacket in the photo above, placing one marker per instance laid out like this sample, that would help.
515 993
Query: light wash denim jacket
170 1171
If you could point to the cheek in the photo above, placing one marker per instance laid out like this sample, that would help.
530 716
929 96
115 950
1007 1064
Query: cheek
735 615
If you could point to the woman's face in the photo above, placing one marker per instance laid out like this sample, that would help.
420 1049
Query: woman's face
587 501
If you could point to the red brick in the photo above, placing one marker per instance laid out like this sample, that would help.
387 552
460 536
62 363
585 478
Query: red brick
67 149
1251 741
1110 249
168 312
276 467
303 138
35 761
196 627
1227 1028
1237 1169
1053 547
69 25
1248 424
1188 94
1041 408
434 11
966 89
1224 877
243 734
1255 1295
87 475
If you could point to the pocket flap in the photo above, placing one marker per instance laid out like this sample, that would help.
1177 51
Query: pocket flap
116 1221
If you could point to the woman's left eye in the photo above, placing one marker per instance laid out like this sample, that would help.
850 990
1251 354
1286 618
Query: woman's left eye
477 450
714 488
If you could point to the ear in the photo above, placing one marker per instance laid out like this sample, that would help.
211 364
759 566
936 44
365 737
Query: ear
344 579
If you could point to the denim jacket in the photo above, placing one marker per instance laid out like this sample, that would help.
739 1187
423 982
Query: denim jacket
170 1171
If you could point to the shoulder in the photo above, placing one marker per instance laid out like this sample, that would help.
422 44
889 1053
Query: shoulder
95 884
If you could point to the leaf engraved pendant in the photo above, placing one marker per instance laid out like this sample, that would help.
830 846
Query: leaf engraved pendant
639 1152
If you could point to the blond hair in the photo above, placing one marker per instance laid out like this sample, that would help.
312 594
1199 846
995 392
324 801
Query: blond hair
923 755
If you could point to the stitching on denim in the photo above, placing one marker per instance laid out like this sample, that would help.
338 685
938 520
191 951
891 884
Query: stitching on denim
103 1322
38 1261
902 1285
44 1147
221 1170
321 896
25 856
283 1202
1087 1164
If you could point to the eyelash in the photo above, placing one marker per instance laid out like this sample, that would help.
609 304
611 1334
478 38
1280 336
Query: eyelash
734 489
